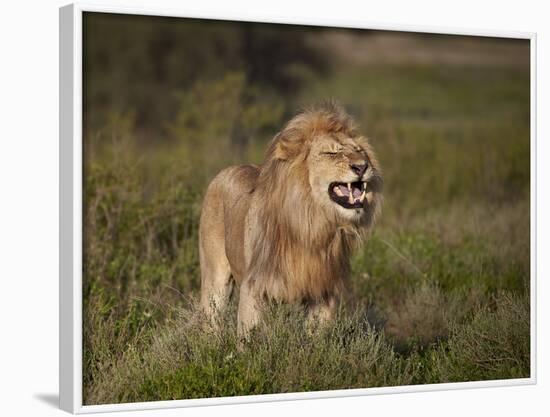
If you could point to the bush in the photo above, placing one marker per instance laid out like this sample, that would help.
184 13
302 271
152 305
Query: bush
494 345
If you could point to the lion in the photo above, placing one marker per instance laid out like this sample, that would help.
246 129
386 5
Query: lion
285 230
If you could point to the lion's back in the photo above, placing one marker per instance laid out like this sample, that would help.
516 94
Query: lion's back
233 184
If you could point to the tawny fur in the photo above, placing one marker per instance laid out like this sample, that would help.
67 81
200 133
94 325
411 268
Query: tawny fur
273 229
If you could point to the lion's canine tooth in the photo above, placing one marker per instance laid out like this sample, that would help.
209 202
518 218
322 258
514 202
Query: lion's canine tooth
364 193
350 197
337 191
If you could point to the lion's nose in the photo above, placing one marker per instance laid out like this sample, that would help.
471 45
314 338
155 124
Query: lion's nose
359 169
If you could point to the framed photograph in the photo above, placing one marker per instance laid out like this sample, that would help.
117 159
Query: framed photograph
261 210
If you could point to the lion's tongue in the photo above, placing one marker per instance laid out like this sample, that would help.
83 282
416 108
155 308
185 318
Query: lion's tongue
343 189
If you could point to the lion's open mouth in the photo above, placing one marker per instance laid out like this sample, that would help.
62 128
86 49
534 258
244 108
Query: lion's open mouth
348 194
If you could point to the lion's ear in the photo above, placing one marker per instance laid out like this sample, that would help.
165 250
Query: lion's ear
287 144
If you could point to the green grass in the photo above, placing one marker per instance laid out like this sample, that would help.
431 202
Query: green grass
186 360
438 294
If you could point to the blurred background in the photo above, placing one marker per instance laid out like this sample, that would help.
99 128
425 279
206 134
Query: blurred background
168 102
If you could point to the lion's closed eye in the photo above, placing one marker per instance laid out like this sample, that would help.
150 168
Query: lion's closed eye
331 150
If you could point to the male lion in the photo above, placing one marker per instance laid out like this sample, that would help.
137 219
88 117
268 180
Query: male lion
285 230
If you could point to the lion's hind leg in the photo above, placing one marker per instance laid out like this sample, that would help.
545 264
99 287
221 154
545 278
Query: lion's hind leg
216 279
216 287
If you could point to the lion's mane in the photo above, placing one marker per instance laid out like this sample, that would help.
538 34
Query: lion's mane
299 252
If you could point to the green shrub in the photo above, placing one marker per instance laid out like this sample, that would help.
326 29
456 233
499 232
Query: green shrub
494 345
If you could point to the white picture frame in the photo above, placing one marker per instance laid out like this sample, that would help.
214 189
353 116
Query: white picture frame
70 203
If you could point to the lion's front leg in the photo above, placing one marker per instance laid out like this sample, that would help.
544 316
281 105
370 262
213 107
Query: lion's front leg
321 312
249 310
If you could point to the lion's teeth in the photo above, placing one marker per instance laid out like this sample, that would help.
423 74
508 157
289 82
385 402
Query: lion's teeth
350 196
338 192
363 195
